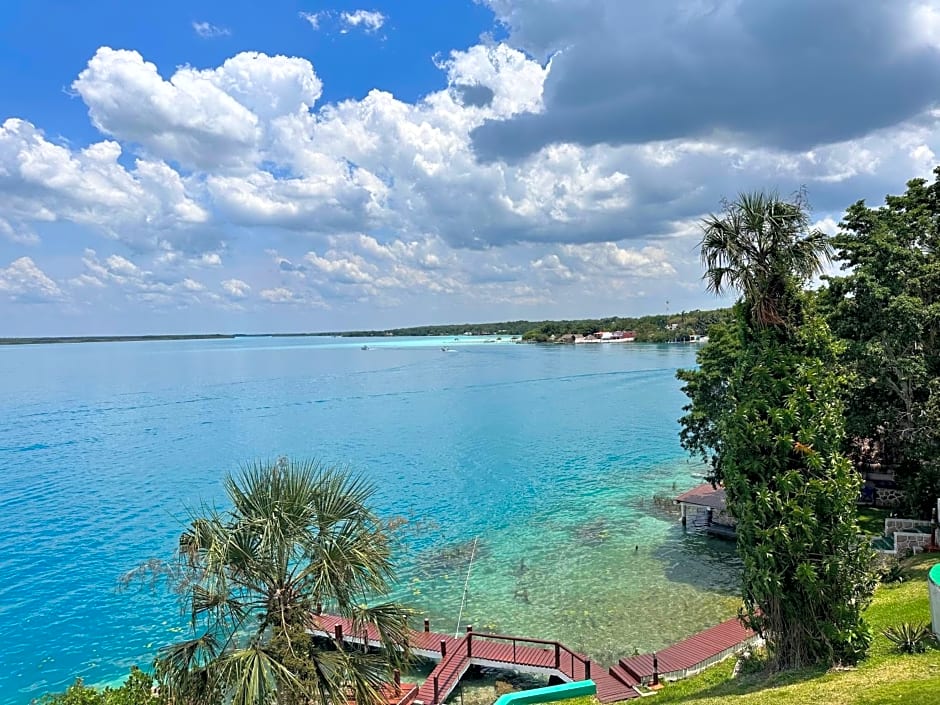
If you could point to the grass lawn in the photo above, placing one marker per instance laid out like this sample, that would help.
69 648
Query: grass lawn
871 520
885 677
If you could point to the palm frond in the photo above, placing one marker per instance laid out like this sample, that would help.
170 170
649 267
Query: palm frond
252 676
758 244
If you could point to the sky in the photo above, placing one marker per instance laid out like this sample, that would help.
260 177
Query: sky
237 166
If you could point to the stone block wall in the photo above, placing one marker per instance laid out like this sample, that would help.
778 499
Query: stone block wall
905 542
893 524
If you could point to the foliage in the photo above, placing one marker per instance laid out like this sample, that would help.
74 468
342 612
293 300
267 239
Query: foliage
660 328
884 676
887 308
908 637
893 572
707 389
761 246
136 690
805 571
297 535
765 403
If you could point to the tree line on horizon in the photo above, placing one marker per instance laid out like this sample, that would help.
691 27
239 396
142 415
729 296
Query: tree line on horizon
655 328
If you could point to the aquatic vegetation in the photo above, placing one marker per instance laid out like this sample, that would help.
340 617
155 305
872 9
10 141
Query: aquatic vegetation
451 558
593 533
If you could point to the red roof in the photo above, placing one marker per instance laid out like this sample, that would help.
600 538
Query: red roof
705 496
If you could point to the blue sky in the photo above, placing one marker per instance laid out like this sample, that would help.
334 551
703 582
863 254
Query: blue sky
284 166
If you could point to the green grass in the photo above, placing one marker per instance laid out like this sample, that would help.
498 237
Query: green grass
583 700
884 677
872 520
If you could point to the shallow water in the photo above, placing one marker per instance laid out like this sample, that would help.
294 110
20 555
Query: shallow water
547 457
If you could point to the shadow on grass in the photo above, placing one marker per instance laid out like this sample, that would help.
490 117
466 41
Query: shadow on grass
755 682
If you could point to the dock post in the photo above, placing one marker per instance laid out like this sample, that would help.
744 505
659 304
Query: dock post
587 669
338 632
437 690
682 512
655 669
443 648
427 624
557 655
469 647
469 628
396 677
319 608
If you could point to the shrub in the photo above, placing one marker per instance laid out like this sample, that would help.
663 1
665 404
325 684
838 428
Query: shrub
893 572
909 637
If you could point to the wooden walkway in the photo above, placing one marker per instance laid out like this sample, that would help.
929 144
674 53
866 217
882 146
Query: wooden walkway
455 655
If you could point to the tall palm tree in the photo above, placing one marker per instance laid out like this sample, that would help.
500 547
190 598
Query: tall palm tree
762 246
297 535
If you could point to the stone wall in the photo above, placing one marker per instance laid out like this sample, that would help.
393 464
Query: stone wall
888 497
893 524
905 542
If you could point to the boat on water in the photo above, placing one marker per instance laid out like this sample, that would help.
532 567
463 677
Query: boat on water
364 347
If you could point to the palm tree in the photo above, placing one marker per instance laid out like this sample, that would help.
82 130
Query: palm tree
297 535
762 246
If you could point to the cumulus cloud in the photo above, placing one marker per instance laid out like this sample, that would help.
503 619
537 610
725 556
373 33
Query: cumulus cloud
207 30
792 74
212 119
22 281
42 182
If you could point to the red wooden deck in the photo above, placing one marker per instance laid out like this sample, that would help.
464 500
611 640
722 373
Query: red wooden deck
553 658
692 654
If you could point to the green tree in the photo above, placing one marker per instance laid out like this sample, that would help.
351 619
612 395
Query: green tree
707 389
297 535
761 246
136 690
887 308
767 403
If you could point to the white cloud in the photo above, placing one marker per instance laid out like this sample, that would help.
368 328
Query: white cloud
22 281
236 288
368 20
312 18
208 30
140 284
213 119
20 234
285 295
43 182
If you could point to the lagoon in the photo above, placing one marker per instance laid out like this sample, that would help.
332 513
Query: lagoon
546 458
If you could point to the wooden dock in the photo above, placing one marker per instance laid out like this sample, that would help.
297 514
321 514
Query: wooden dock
455 656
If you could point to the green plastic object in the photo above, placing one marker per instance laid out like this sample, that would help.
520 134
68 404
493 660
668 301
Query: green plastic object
549 694
934 574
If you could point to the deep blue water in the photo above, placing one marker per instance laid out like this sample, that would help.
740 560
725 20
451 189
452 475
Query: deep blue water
546 454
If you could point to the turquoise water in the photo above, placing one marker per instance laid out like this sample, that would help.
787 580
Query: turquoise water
547 457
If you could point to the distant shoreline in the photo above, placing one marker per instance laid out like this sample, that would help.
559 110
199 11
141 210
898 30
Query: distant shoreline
112 339
658 328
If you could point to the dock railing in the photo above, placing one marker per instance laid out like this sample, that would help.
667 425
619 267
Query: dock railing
443 665
563 656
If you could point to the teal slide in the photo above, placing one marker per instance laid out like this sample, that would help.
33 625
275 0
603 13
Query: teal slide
549 694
